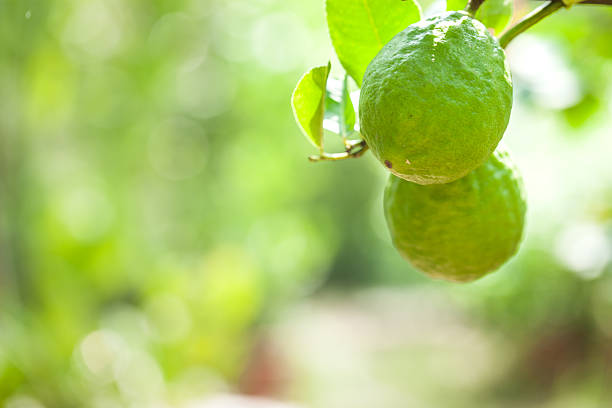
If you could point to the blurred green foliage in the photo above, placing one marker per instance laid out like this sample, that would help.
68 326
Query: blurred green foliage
157 210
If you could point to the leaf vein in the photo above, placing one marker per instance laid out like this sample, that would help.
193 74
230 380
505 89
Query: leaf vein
372 23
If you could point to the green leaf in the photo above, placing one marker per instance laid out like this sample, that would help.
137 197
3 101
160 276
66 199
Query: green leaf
308 103
456 4
359 28
495 14
579 114
339 110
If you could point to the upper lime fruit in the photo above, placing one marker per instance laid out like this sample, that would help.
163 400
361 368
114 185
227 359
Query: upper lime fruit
462 230
436 99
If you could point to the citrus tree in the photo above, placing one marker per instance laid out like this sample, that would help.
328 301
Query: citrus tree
434 98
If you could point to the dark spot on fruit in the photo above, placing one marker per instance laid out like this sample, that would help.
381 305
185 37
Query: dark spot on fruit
388 164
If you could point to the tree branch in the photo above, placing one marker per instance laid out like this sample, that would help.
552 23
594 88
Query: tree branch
355 148
473 6
529 20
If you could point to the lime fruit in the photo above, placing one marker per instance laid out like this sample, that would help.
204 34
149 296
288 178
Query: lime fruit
436 99
462 230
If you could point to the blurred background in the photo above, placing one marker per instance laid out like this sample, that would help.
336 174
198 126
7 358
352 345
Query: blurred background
165 243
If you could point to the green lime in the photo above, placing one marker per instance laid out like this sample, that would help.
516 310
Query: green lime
462 230
436 99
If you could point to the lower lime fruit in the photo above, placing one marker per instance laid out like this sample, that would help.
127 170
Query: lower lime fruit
462 230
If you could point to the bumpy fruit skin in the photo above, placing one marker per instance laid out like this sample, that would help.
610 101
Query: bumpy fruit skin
436 99
462 230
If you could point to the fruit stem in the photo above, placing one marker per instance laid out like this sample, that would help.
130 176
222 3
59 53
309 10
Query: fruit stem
473 6
529 20
354 149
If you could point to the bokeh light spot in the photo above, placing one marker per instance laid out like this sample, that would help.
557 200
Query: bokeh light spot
273 40
169 317
22 401
100 350
139 377
94 28
584 248
87 213
550 80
